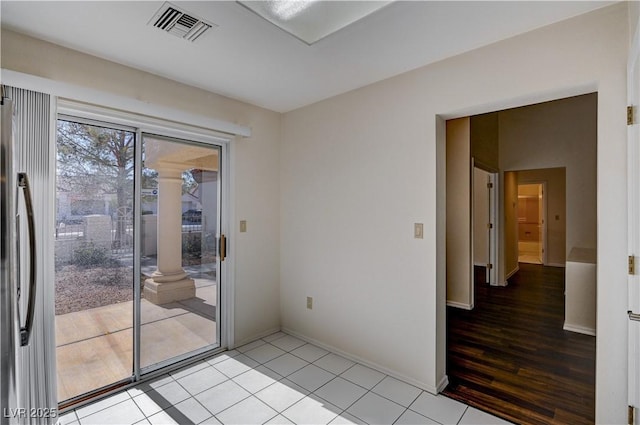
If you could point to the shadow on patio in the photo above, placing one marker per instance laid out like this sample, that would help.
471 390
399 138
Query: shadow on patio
94 347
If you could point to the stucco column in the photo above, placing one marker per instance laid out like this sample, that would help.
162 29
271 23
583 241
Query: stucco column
169 282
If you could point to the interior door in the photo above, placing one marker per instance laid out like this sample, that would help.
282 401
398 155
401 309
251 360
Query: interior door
633 88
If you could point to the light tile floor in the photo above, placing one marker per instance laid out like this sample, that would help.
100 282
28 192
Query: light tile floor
279 379
529 252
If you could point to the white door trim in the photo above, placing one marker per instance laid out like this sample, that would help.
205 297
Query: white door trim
633 194
494 232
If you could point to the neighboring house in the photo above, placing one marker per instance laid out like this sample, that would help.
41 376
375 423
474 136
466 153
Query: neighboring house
72 207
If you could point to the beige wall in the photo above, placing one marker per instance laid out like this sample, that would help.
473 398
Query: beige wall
510 227
484 140
556 210
357 170
529 216
480 217
459 277
255 162
556 134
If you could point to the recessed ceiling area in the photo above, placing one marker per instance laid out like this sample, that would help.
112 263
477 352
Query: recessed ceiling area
248 58
312 20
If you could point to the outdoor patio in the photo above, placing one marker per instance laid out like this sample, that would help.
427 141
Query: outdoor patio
94 347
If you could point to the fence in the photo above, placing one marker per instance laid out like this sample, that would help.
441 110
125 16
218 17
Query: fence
115 235
122 231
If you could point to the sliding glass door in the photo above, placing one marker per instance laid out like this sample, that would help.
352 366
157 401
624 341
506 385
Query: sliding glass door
94 277
136 248
180 223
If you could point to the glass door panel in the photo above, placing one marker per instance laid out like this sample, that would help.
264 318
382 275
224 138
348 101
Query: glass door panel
93 257
179 274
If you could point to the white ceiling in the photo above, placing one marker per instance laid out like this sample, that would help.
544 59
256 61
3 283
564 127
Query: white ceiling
249 59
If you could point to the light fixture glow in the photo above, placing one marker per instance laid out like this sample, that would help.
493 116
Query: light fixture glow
287 9
312 20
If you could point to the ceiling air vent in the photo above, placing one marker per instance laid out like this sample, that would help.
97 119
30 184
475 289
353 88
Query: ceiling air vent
175 21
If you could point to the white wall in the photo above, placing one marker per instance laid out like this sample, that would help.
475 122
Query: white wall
359 169
634 18
255 162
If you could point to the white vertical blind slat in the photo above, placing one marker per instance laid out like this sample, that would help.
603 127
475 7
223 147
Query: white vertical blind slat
33 150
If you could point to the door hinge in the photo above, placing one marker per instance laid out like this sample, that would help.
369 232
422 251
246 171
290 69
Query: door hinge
489 266
489 225
632 264
490 185
631 115
630 415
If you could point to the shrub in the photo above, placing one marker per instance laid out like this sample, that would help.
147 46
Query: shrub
88 254
191 245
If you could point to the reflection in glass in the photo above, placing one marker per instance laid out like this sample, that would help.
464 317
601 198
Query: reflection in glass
180 216
93 257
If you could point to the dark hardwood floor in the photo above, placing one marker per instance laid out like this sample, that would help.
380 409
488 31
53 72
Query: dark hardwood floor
510 356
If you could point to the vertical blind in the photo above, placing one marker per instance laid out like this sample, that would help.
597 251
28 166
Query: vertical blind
33 153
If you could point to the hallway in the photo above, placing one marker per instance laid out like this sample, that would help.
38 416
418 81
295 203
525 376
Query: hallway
511 357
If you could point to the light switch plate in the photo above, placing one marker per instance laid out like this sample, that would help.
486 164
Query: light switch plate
310 303
243 226
418 230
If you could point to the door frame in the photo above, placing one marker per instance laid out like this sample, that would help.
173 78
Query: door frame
543 231
222 229
495 231
142 124
633 223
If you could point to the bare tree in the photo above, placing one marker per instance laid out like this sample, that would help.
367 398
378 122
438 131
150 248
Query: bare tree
94 161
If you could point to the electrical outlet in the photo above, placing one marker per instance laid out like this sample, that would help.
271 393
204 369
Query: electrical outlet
310 303
243 226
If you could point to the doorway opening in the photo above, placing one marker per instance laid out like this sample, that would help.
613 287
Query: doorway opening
138 254
508 348
531 223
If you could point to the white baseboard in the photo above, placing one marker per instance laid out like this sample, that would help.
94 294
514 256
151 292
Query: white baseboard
254 337
556 265
480 264
514 271
459 305
579 329
443 383
429 388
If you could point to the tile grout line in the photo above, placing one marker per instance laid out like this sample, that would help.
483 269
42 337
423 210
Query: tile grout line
311 394
462 416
